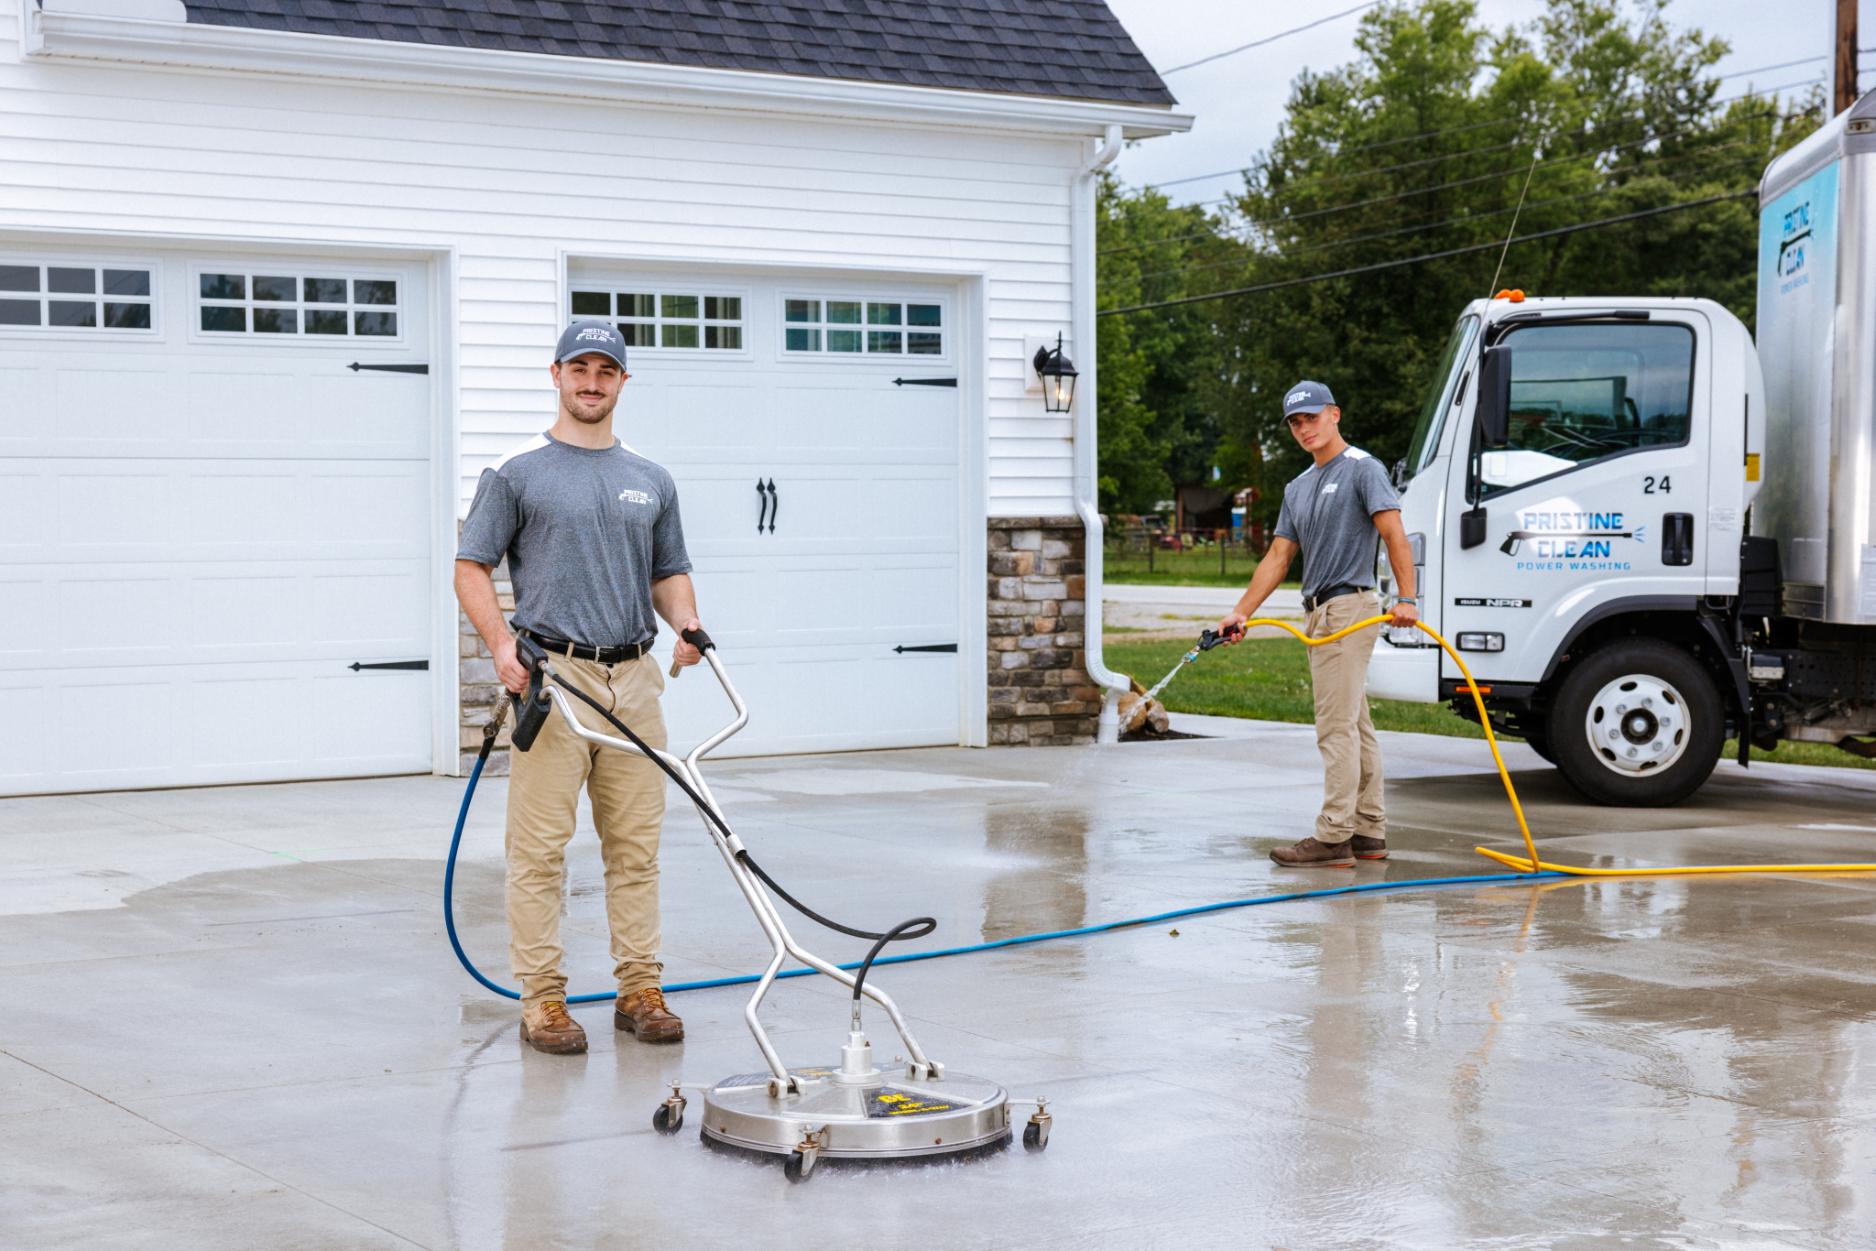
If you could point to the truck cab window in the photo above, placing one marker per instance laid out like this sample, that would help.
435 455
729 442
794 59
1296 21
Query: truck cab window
1583 393
1440 395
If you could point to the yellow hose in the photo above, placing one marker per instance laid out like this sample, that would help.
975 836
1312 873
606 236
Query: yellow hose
1531 863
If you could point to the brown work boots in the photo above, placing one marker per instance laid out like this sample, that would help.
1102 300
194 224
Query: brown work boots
643 1013
545 1026
1310 854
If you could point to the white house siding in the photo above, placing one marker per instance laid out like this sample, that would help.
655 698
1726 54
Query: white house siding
511 183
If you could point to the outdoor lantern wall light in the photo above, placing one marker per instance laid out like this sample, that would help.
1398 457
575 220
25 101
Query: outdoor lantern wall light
1058 376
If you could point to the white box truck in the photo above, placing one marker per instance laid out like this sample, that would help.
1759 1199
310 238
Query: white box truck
1644 534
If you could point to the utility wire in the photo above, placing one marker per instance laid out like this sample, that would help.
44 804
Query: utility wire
1454 130
1258 43
1461 220
1307 279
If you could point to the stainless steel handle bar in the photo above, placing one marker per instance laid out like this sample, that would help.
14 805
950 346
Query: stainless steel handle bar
768 916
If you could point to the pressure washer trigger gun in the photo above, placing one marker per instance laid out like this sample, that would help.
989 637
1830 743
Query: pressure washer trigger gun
1212 638
697 639
531 709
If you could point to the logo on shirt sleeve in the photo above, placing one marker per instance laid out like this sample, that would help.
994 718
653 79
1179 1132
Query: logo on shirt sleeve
629 496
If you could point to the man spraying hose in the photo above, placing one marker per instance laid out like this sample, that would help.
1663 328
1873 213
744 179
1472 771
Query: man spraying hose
1332 512
594 545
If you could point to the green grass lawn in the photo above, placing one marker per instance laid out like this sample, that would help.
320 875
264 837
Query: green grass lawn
1210 566
1268 680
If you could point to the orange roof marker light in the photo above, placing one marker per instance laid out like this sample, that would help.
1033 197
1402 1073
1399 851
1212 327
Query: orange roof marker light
1510 293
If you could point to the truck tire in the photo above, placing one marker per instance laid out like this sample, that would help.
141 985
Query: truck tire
1637 725
1539 742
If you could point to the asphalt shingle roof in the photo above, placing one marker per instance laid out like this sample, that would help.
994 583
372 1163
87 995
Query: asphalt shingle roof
1075 49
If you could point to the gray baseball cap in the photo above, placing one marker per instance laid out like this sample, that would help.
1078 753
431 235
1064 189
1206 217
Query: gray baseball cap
1306 397
590 336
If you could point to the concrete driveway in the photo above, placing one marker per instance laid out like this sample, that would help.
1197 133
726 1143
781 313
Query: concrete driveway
232 1019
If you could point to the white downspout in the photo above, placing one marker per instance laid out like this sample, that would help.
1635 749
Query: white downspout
1087 490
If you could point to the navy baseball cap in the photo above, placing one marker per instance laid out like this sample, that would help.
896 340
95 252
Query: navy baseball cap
1306 397
590 336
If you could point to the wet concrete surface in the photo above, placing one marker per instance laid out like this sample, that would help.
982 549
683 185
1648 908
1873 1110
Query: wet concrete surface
232 1018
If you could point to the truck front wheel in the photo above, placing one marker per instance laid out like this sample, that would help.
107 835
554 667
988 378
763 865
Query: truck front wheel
1638 724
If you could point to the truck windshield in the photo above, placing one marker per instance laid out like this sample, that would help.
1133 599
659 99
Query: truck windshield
1441 392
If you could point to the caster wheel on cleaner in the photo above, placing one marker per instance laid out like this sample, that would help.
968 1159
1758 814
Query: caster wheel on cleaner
665 1122
1033 1139
795 1168
1638 724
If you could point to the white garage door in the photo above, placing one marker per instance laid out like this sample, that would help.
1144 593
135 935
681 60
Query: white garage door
834 588
206 518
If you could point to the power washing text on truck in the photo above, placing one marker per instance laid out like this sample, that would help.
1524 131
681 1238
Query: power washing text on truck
1647 535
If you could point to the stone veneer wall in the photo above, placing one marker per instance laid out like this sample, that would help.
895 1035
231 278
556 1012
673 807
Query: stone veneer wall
1040 692
475 671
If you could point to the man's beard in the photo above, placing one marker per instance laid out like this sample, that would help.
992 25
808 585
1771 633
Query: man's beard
594 417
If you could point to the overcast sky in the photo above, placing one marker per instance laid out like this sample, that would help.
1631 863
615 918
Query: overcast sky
1238 101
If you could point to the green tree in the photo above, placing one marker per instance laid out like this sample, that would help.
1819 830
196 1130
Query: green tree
1437 137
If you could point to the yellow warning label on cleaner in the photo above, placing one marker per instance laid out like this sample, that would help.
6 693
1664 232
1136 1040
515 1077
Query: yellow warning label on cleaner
889 1102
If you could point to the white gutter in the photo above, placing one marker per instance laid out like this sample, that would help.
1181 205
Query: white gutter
1087 481
153 32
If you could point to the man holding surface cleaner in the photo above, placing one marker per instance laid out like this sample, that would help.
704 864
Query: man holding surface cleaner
1332 511
594 545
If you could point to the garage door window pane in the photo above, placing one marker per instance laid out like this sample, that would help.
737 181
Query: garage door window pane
224 287
71 313
678 336
19 312
723 308
592 304
728 338
678 306
843 340
325 291
884 341
127 316
381 324
843 312
883 314
325 321
802 340
924 344
276 321
374 291
796 310
126 282
19 277
278 290
71 281
637 304
924 315
639 334
219 318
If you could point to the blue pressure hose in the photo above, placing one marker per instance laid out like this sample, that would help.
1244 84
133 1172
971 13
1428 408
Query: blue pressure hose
1020 940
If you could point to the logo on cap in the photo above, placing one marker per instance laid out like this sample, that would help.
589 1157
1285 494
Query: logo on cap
595 332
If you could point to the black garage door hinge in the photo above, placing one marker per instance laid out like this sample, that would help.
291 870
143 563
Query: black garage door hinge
927 647
391 369
356 665
924 382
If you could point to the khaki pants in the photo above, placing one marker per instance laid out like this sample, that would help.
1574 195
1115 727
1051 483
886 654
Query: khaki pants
1351 755
627 793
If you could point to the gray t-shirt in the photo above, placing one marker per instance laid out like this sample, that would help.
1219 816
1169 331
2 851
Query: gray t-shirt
586 532
1328 511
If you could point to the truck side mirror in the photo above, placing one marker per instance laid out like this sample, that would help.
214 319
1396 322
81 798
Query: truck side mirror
1494 402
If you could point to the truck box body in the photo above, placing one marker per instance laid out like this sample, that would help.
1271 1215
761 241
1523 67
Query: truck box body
1817 346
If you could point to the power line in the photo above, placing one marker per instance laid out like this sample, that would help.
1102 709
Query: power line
1468 181
1461 220
1258 43
1454 130
1429 256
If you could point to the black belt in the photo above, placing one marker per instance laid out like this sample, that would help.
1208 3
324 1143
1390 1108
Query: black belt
1312 602
586 651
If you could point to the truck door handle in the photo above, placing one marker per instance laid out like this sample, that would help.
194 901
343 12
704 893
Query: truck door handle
1677 539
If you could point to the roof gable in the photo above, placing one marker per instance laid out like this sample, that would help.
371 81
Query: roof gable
1071 49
